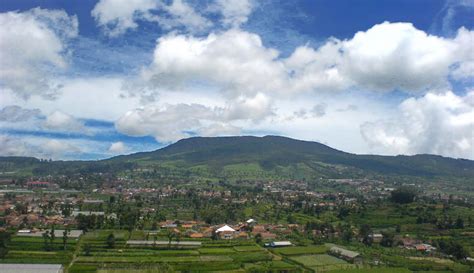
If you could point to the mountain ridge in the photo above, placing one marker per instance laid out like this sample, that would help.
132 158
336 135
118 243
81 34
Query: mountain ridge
268 154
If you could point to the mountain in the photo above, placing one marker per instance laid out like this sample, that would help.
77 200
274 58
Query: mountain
261 157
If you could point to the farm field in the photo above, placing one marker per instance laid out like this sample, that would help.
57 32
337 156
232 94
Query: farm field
31 250
371 270
211 256
321 262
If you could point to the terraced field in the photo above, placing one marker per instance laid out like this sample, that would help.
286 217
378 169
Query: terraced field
211 256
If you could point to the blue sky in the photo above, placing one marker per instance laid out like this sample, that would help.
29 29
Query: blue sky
93 79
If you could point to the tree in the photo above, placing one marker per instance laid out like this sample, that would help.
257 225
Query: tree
52 236
65 237
87 249
177 238
111 240
365 231
403 195
258 238
347 235
387 239
170 236
459 223
46 240
453 248
4 241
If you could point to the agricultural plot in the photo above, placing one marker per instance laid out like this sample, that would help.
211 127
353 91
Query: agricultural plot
210 256
371 270
300 250
321 262
35 250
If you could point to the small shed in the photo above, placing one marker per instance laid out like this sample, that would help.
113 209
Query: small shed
348 255
280 244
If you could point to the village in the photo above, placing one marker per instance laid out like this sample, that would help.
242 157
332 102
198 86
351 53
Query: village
321 229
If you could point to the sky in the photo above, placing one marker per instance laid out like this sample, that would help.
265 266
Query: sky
87 80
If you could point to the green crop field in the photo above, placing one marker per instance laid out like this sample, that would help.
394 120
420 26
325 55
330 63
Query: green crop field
372 270
317 260
320 249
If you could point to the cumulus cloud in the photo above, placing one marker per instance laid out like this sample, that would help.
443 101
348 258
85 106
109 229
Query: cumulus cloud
117 17
166 124
33 45
464 41
392 56
234 12
254 108
440 124
319 110
15 113
386 57
55 148
182 14
13 147
117 148
172 122
63 122
36 147
236 60
219 129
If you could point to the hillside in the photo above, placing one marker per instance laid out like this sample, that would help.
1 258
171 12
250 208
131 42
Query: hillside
267 156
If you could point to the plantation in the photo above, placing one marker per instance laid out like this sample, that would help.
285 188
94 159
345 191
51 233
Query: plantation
225 256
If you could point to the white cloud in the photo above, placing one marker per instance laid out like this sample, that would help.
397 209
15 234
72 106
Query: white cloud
171 122
116 17
13 147
118 148
319 109
15 113
167 123
392 56
254 108
56 148
234 12
33 45
38 147
219 129
465 54
235 60
182 14
440 124
388 56
63 122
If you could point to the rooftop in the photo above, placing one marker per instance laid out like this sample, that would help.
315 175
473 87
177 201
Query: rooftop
31 268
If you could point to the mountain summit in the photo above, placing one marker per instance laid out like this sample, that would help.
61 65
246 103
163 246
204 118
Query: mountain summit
255 157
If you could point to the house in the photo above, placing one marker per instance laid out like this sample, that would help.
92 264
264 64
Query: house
348 255
187 226
38 184
268 235
241 235
225 232
258 229
225 228
424 247
196 235
251 222
376 237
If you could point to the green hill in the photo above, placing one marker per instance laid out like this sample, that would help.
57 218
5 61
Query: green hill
257 157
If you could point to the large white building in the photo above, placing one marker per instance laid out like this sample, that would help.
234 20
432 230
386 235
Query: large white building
31 268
